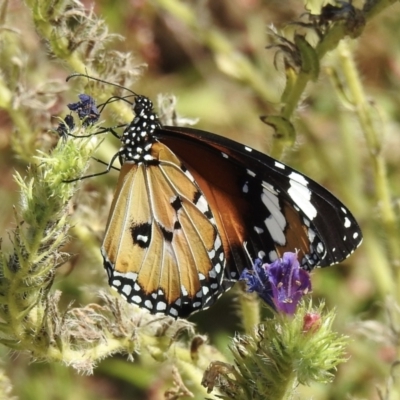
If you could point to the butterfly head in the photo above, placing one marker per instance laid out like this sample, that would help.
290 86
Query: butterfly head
137 139
142 106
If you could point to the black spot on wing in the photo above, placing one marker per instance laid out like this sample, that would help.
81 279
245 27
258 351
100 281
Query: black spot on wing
176 203
141 234
177 225
168 235
196 197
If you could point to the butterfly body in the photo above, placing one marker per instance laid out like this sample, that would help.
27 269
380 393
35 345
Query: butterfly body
190 204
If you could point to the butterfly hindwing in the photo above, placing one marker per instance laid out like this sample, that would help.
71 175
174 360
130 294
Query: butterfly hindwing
161 248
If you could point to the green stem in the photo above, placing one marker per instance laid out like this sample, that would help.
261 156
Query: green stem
249 311
378 7
383 196
329 42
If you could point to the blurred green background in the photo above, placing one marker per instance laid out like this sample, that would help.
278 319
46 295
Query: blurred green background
330 147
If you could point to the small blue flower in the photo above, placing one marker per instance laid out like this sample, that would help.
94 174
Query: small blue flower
281 283
257 281
86 109
66 126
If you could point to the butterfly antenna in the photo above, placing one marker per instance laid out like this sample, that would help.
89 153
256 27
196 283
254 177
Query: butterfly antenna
115 98
77 74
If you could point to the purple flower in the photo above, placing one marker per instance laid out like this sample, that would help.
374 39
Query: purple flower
86 109
281 283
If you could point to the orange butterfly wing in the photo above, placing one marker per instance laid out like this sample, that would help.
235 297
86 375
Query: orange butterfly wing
161 248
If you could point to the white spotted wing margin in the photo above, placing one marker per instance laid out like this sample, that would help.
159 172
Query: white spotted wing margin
161 249
279 208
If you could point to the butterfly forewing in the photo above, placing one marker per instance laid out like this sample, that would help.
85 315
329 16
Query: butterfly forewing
162 249
274 208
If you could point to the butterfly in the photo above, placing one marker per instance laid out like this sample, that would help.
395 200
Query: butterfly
191 206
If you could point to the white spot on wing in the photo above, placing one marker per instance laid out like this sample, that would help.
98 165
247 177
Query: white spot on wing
273 255
276 222
143 238
258 230
214 286
148 304
269 187
128 275
184 291
301 195
270 200
249 149
279 165
347 223
320 247
127 290
202 204
251 173
298 178
311 235
189 175
161 306
275 230
137 299
217 243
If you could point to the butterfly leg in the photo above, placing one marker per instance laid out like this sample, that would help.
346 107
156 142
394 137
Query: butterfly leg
106 171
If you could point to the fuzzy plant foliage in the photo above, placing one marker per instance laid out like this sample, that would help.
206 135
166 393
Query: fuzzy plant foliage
280 353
